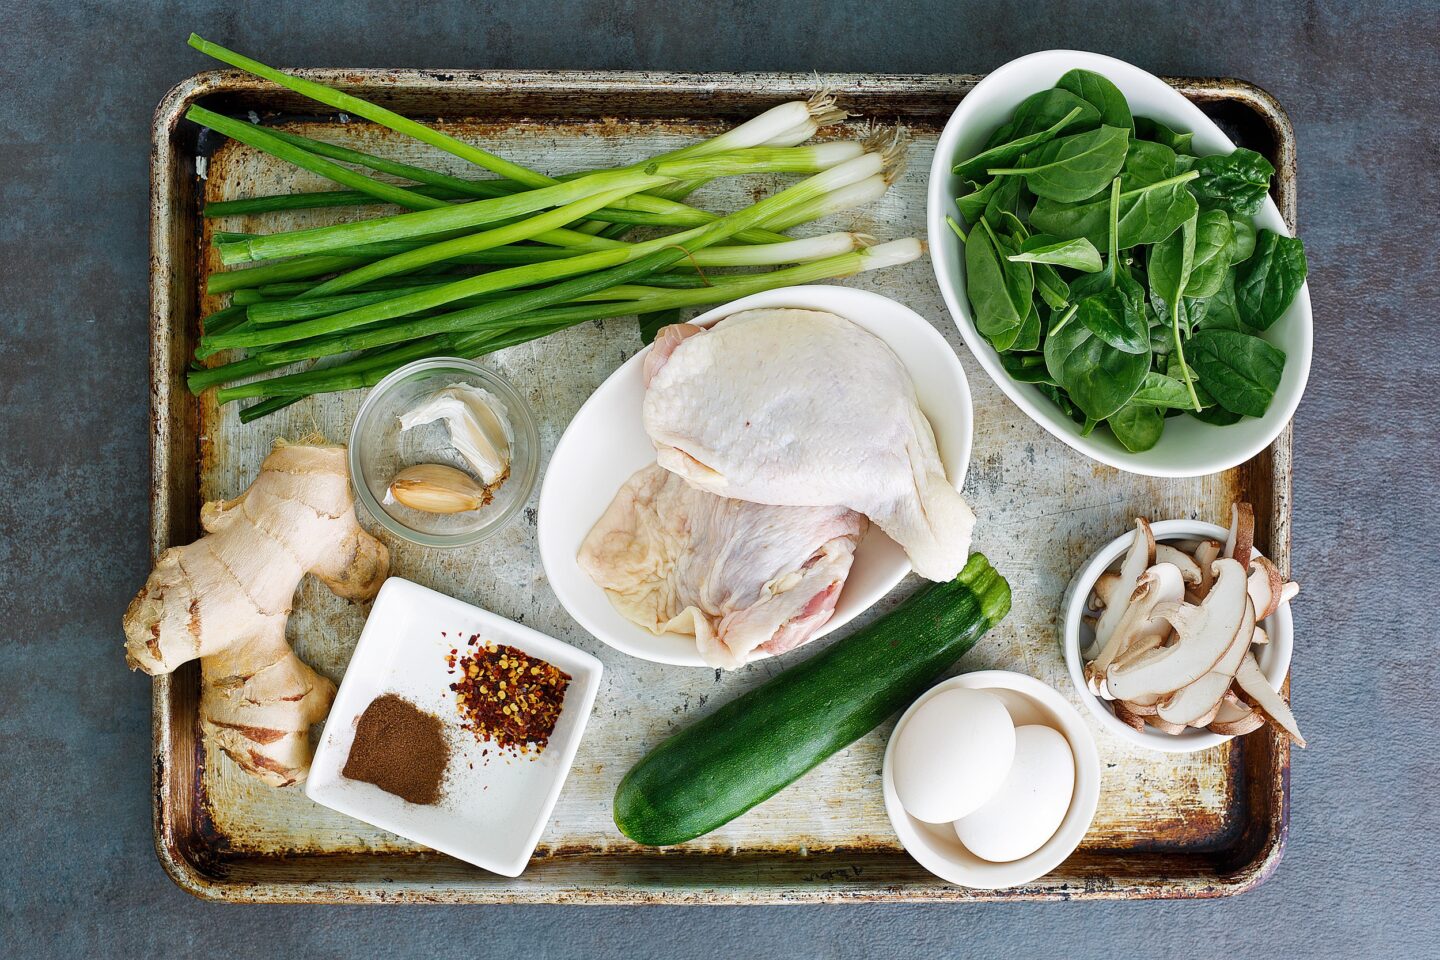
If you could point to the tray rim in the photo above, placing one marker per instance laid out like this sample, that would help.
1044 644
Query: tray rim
185 869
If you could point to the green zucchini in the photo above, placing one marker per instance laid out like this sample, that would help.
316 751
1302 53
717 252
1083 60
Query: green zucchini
753 747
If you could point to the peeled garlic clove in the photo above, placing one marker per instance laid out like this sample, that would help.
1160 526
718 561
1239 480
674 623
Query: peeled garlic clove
477 424
436 488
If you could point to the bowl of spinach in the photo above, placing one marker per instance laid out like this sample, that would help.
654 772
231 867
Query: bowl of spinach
1117 266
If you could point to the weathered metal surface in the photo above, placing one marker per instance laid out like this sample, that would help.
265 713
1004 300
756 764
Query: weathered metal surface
1201 825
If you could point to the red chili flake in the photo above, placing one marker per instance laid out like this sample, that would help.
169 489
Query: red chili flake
509 698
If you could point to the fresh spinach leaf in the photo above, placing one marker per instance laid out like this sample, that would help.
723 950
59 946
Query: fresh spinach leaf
1147 215
1215 416
1236 183
1044 109
1159 390
1213 237
1241 372
1147 129
1244 245
972 205
1071 168
1062 400
999 289
1053 290
1111 316
1027 338
1267 282
1005 200
1146 163
1098 378
1221 312
1137 426
1007 153
1026 368
1104 95
1171 261
1077 254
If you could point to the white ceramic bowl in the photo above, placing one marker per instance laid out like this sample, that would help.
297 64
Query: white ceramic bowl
493 807
935 846
1188 447
1273 657
606 443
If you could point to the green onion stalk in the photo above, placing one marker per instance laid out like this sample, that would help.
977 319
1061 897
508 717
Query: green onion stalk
268 312
637 261
368 369
419 131
336 334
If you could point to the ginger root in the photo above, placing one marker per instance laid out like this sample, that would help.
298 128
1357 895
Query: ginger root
225 598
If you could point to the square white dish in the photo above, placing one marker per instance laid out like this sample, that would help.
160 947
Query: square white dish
493 806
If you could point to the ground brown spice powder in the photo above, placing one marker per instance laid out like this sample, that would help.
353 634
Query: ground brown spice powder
399 748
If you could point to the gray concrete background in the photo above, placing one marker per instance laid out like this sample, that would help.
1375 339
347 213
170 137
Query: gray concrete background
77 85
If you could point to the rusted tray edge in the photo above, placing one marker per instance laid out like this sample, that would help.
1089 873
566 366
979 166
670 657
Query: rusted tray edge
183 864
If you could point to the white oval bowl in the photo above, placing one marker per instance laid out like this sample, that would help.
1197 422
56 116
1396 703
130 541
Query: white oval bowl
606 443
935 845
1274 657
1187 448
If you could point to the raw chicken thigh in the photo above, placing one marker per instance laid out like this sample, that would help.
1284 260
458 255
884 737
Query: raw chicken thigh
740 577
804 408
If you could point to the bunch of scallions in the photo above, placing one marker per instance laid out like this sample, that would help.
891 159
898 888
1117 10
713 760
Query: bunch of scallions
477 265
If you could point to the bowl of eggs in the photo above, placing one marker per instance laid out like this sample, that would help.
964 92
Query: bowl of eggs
991 779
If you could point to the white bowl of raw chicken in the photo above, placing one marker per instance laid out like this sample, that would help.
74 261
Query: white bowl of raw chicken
606 444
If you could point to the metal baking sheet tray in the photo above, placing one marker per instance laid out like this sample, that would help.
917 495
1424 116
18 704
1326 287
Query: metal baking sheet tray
1190 826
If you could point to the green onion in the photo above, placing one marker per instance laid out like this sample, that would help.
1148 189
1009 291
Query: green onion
262 139
363 371
426 222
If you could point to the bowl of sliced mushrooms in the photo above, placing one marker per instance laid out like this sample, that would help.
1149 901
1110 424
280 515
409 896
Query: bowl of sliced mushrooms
1174 643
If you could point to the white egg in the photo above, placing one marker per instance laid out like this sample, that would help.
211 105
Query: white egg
1030 805
953 754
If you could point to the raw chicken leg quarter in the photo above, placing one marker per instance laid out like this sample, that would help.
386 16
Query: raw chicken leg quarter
805 408
742 578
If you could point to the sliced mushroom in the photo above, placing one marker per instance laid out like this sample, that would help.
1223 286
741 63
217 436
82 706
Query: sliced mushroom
1165 726
1196 703
1235 718
1103 593
1289 591
1189 569
1248 723
1205 556
1205 633
1129 717
1139 558
1144 615
1143 645
1260 636
1209 716
1258 691
1241 541
1264 586
1144 707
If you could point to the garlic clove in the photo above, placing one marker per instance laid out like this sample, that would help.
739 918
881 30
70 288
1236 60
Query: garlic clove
477 423
437 488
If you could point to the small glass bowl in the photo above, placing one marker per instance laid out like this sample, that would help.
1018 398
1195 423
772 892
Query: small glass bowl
379 449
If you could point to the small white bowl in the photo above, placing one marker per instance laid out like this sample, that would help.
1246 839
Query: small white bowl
493 807
1075 636
379 449
1188 448
606 443
935 846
